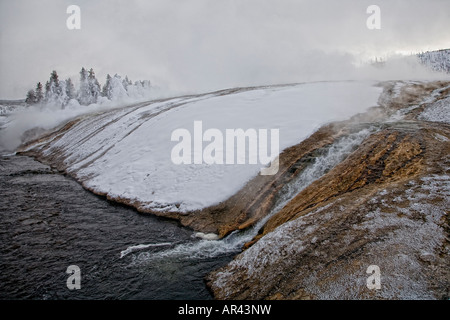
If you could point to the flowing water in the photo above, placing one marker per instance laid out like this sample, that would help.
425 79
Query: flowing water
49 222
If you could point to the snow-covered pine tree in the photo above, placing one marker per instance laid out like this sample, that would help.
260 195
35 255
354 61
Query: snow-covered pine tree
39 93
126 82
94 87
47 90
60 93
139 90
55 85
146 84
54 77
62 99
70 90
84 92
50 87
31 97
107 89
55 91
118 92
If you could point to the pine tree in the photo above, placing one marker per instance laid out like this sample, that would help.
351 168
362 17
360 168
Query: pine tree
84 93
55 86
94 87
83 74
70 89
107 89
139 90
61 98
118 92
39 93
54 78
47 91
126 82
55 93
31 97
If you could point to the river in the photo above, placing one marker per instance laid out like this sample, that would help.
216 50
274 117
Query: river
49 222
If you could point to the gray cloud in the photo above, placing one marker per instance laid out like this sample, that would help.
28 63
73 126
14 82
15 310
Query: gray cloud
199 45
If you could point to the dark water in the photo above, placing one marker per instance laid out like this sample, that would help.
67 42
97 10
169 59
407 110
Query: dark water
49 222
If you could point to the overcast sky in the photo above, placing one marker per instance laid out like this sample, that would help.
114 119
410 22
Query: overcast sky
199 45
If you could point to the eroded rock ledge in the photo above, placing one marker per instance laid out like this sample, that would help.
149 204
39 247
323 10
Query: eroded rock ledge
386 204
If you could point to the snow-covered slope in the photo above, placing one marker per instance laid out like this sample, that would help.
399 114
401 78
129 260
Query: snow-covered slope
126 153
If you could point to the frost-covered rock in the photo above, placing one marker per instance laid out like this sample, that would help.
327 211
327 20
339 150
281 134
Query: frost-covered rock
384 205
438 111
324 249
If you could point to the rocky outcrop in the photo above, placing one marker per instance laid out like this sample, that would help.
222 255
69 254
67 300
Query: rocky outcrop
386 204
386 156
259 196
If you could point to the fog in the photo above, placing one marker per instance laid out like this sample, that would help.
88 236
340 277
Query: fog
201 45
196 46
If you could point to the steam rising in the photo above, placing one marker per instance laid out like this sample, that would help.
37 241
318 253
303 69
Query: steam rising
203 45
